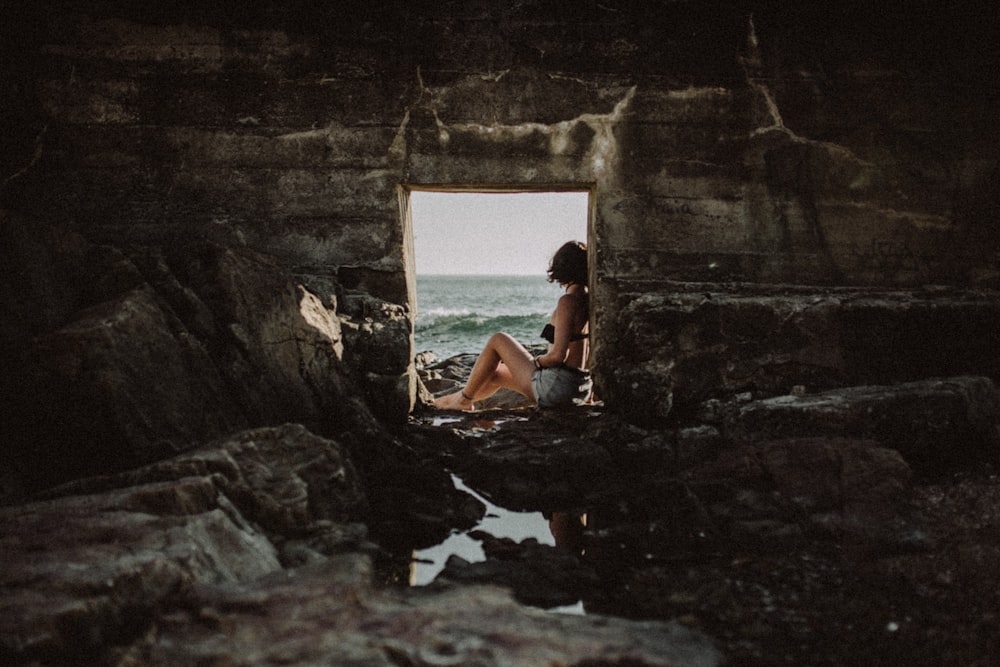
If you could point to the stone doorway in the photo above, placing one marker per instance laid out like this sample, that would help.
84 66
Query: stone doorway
476 261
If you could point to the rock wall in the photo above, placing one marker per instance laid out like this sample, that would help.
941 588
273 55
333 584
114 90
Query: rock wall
727 147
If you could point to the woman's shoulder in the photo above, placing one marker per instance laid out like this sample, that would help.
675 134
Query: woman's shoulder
574 305
573 299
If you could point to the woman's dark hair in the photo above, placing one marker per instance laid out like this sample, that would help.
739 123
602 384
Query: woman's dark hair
569 264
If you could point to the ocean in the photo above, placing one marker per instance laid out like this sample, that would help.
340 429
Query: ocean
458 314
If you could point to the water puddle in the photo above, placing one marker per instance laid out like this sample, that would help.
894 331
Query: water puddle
481 423
499 522
441 421
427 563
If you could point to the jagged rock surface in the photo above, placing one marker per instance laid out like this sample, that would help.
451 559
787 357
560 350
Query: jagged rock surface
329 614
230 552
936 425
144 355
684 344
783 194
824 550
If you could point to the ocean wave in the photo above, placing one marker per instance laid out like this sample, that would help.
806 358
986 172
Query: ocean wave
457 315
449 335
472 323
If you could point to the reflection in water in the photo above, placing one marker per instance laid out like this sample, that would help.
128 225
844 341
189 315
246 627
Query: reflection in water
570 609
561 529
481 423
441 421
428 563
567 529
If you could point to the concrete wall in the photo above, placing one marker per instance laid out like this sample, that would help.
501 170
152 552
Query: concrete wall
728 144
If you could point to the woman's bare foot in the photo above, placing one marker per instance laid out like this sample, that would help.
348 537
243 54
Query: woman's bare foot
457 401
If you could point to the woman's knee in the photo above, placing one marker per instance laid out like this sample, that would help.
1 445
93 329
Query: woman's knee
500 341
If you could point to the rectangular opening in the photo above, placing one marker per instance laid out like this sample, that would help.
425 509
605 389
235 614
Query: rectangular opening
480 260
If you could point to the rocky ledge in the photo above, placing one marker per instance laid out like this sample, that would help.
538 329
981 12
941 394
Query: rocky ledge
243 552
850 526
854 526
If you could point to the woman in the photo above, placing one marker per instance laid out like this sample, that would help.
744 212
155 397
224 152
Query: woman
554 379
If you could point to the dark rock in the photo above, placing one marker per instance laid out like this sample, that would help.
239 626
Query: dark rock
373 331
147 546
219 341
685 347
776 493
936 425
330 614
160 555
758 489
769 195
521 459
84 572
124 387
284 479
823 474
538 574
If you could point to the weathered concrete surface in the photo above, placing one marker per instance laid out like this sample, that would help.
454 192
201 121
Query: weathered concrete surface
718 144
681 345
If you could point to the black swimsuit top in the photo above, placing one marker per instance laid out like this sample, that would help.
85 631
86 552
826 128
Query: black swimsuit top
549 334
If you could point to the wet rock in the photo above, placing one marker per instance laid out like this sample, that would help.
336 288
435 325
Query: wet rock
660 520
87 566
329 614
774 491
563 458
936 425
413 503
544 459
538 574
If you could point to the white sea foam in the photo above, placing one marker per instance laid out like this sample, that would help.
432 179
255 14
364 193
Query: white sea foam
457 314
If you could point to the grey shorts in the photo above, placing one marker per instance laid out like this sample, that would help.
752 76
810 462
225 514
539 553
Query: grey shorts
561 386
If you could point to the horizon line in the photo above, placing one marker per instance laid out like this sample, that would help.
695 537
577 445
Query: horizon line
481 275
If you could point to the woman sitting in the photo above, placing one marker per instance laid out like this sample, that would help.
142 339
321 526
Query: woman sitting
557 378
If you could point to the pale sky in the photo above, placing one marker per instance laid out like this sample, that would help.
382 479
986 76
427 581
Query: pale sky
465 233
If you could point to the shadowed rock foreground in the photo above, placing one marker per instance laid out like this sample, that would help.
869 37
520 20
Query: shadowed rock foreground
213 447
837 528
238 552
781 530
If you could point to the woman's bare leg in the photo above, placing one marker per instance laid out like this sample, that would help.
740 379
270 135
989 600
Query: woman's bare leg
503 363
